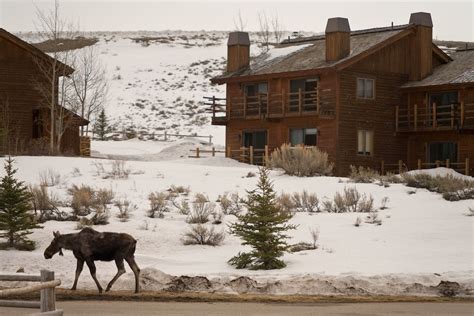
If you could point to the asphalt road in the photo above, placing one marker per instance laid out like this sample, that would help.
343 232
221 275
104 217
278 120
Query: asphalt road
118 308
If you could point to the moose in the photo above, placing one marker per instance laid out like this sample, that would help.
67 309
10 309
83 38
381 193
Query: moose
89 245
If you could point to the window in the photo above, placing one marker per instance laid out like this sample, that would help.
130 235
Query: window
308 87
255 89
440 151
256 97
257 139
365 142
365 88
303 136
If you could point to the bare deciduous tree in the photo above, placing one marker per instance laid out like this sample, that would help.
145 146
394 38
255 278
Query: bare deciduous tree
277 28
53 83
264 31
89 84
239 23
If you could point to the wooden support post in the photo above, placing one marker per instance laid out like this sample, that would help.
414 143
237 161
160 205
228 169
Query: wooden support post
268 106
213 106
400 166
210 139
166 136
466 167
300 101
419 164
396 117
462 114
447 163
242 154
47 296
259 102
452 115
267 158
415 117
229 152
197 152
437 163
245 106
382 167
251 154
434 115
213 151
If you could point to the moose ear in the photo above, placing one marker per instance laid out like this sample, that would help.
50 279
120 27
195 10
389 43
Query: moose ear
56 234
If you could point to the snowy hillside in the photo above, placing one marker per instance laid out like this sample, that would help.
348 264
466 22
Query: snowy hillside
422 237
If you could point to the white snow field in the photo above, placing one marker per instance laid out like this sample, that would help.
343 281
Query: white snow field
423 238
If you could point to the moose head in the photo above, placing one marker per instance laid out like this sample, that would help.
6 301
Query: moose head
55 246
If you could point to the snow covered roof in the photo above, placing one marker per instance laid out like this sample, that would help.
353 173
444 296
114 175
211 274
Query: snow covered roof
458 71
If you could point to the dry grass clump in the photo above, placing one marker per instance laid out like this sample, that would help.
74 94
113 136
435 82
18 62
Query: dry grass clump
363 175
202 209
201 235
301 161
49 178
306 202
86 200
158 204
125 207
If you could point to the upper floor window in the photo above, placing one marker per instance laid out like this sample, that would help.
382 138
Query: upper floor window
365 142
303 136
365 88
255 89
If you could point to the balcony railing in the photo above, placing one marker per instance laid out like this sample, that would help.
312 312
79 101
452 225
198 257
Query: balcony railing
412 118
266 105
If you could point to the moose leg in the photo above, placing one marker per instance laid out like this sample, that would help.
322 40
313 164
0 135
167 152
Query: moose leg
120 271
80 265
92 269
136 270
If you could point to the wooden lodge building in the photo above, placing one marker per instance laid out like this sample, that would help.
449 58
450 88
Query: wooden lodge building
24 117
382 98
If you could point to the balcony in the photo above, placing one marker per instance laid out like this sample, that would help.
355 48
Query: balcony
433 117
270 106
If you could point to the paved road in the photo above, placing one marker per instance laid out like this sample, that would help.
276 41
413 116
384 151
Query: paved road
114 308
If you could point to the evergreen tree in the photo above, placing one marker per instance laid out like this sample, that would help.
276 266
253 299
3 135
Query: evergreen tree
263 228
101 127
15 219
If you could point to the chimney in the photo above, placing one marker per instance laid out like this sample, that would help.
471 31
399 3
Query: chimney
421 46
238 51
338 39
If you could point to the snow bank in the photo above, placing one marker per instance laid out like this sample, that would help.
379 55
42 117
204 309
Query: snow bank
442 172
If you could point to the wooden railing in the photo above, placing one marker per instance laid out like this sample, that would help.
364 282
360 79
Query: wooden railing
47 285
266 105
434 117
198 152
401 166
250 155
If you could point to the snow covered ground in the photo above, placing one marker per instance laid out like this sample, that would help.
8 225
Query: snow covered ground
423 238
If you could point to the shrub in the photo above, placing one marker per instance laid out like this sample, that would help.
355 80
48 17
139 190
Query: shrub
49 178
158 204
217 217
224 202
183 207
125 208
104 197
301 161
470 212
201 211
363 175
237 204
349 201
179 190
306 202
358 221
286 203
452 188
82 199
119 171
373 218
201 235
46 204
384 203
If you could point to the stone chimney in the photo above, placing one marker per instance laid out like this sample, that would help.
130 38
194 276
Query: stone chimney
421 46
238 51
338 39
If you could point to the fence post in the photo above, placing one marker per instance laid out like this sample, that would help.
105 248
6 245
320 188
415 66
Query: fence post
396 118
213 151
197 152
251 155
447 163
47 296
166 136
419 164
400 166
210 139
467 166
229 152
266 156
382 167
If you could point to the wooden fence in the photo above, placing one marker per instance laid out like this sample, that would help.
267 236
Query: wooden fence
166 136
47 285
401 166
198 152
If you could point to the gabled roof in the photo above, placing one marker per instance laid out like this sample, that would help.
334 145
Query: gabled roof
459 71
31 49
309 54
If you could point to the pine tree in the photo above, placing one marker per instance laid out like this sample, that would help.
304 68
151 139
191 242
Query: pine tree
263 228
101 127
15 219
